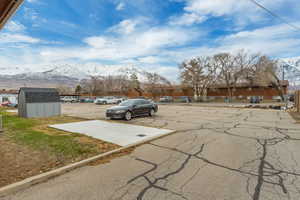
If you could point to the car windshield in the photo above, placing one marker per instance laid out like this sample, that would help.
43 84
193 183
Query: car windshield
127 103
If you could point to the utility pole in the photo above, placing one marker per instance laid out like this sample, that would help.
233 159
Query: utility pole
283 78
283 71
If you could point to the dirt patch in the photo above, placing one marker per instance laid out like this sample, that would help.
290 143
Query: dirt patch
107 159
19 162
28 147
101 145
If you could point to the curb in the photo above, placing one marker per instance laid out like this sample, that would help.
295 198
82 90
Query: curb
22 185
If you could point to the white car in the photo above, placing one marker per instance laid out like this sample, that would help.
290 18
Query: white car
107 100
69 99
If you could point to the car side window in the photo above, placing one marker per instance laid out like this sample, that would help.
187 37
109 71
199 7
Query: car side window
137 102
140 102
146 102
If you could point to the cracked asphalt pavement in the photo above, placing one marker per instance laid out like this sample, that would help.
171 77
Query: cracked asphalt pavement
216 154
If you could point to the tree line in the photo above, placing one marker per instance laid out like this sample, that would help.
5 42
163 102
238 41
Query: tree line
199 73
128 81
229 70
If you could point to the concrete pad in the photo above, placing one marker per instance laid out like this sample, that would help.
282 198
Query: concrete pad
117 133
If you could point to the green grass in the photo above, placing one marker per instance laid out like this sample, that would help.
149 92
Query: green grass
35 134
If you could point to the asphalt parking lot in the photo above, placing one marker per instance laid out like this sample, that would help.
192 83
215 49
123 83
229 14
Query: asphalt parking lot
85 110
216 153
172 116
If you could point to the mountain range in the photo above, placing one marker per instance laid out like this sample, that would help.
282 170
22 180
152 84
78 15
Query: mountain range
57 75
70 75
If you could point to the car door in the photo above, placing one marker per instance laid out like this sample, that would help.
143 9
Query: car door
108 100
137 109
146 106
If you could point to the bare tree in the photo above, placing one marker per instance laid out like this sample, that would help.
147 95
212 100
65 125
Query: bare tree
198 73
122 83
114 83
291 66
135 84
62 89
191 73
155 83
231 69
210 76
93 85
265 72
271 74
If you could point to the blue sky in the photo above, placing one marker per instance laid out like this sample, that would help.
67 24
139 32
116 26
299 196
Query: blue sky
151 34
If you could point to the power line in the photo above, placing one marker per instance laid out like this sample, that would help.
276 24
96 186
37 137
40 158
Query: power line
275 15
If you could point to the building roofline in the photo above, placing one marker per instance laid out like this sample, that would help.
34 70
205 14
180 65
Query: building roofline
7 9
9 91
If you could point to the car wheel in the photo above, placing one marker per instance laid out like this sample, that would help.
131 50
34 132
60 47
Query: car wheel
104 102
128 116
152 112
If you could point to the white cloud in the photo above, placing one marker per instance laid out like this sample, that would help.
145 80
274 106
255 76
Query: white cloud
276 41
30 14
273 40
126 26
215 7
187 19
242 12
150 49
167 37
14 26
17 38
15 35
151 59
97 42
120 6
125 47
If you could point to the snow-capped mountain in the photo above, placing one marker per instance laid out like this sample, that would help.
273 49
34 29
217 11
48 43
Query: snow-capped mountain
74 71
59 74
72 74
65 70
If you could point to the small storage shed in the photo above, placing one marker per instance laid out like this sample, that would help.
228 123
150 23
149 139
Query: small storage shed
39 102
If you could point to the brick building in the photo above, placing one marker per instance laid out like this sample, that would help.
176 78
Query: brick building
242 91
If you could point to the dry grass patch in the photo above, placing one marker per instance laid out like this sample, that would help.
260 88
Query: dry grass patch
29 147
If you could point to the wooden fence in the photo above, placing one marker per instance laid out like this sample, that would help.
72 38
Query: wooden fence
297 100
